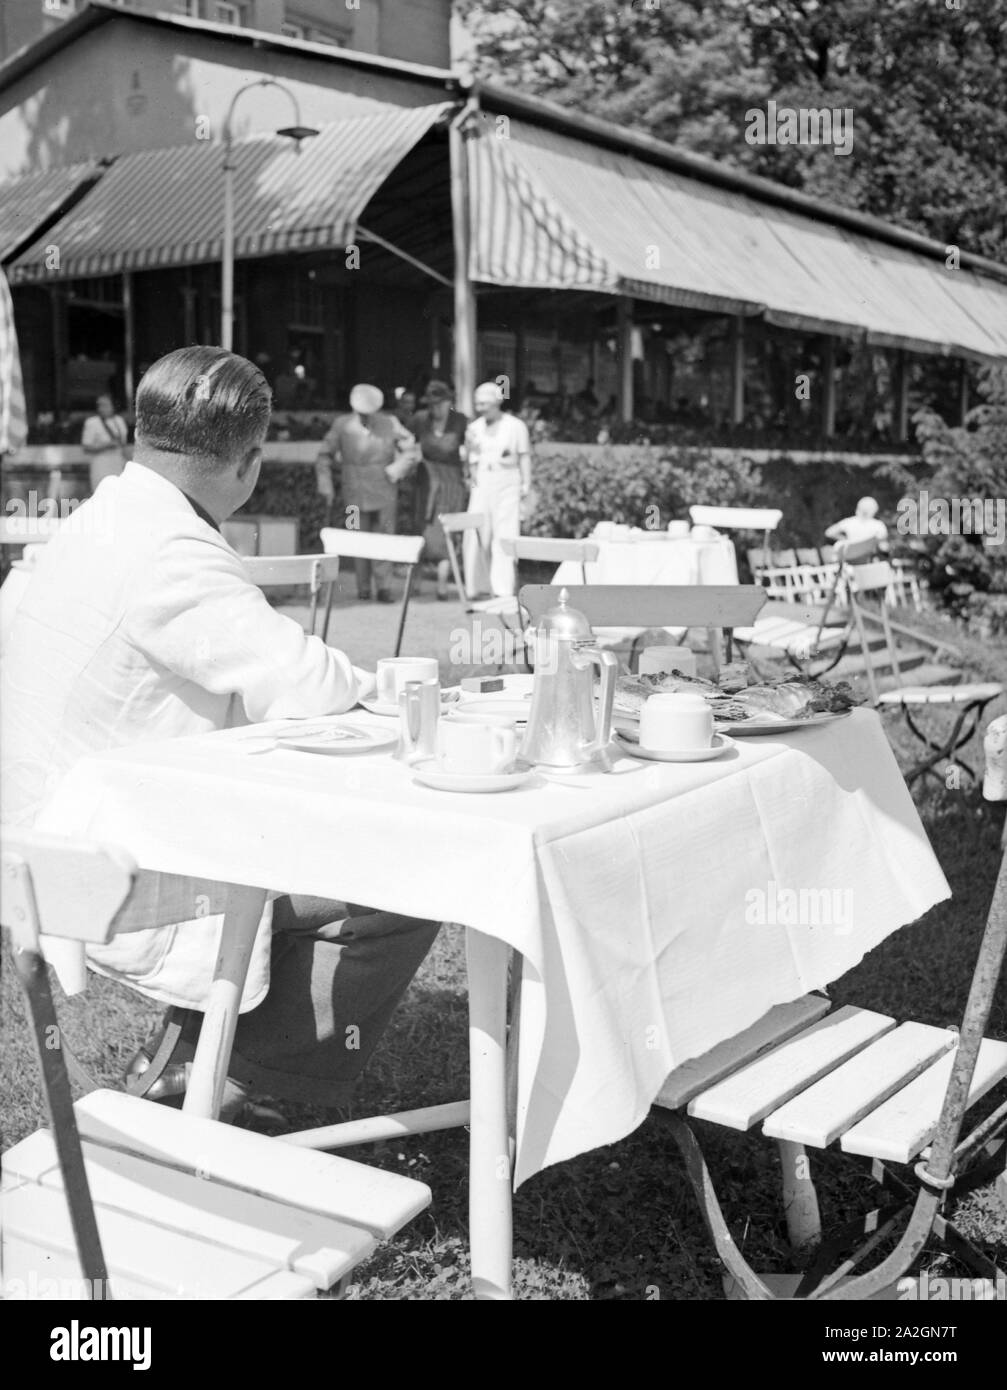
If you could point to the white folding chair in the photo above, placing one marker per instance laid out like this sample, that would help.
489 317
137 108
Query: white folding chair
125 1198
285 571
457 524
853 1079
967 700
719 608
373 545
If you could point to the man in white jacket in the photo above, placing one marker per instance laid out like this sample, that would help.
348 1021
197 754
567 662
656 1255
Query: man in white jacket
140 622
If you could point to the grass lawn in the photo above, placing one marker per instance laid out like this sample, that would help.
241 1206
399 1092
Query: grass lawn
620 1222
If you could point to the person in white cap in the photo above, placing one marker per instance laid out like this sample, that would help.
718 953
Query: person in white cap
498 455
863 526
374 451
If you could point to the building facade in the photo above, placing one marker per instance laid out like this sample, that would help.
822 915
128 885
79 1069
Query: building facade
415 31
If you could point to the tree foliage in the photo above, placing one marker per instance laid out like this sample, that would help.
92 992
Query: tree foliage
926 81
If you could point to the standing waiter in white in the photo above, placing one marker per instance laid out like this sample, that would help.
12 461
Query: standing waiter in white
498 457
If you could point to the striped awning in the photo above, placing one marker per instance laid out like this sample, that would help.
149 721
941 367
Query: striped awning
28 203
13 416
166 207
551 211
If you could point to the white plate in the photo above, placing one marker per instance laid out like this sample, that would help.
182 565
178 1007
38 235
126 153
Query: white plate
379 707
326 738
721 743
427 772
753 727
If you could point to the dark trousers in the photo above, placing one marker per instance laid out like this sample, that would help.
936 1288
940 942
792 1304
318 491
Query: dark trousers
336 975
381 519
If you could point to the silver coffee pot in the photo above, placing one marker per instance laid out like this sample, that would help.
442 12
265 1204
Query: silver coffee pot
565 729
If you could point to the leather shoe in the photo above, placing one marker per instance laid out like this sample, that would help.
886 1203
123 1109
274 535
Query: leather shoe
385 596
170 1087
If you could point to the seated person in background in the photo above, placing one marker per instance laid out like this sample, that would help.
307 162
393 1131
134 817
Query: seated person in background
862 526
140 622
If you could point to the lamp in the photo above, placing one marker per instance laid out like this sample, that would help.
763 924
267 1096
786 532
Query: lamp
296 132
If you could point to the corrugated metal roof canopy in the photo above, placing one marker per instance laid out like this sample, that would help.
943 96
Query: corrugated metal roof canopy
165 207
25 204
555 212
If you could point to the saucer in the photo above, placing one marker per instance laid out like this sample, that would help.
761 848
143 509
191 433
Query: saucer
429 774
721 743
380 707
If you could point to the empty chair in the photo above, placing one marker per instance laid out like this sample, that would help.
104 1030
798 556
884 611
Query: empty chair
284 571
719 608
125 1198
373 545
856 1079
965 700
764 519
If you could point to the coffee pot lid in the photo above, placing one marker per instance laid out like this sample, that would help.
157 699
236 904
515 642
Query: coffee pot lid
565 623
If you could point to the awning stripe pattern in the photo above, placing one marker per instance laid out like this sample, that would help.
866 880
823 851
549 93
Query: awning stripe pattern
28 203
583 216
165 207
13 416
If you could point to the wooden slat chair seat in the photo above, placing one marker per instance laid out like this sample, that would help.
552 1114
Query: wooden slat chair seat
373 545
811 1077
286 571
124 1198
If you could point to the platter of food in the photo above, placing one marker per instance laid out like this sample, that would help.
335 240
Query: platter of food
768 707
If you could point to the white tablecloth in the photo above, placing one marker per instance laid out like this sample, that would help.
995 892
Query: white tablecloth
628 895
667 560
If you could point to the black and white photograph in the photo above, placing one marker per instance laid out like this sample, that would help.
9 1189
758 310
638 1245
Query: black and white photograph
503 667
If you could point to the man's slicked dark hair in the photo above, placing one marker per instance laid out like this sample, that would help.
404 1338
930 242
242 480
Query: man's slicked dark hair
204 402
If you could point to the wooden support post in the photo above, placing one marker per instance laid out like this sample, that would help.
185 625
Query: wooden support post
128 337
828 386
963 391
738 370
800 1201
464 292
625 323
900 418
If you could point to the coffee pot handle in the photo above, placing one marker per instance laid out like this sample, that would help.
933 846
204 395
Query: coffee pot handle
608 666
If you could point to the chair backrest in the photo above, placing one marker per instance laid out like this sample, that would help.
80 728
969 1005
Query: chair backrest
808 555
783 559
549 548
19 530
855 552
872 577
461 521
270 570
372 545
653 605
737 518
64 888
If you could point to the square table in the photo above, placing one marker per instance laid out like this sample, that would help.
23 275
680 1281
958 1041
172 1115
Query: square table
629 896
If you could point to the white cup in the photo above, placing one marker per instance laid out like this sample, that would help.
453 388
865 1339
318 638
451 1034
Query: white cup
655 659
475 749
674 722
394 671
678 529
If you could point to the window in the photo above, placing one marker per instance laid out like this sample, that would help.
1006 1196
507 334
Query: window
60 9
225 12
292 31
305 301
190 8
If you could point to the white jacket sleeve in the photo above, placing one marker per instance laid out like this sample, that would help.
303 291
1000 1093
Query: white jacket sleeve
198 614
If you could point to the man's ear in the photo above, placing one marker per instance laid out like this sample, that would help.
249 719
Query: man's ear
248 468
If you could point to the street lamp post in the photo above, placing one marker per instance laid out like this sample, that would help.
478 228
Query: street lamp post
296 132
